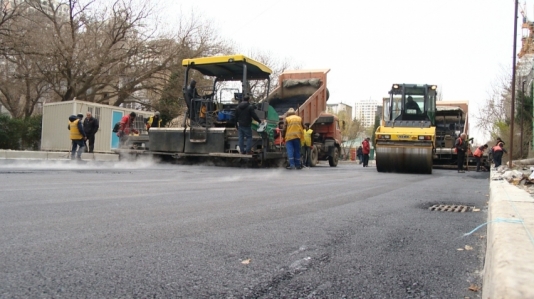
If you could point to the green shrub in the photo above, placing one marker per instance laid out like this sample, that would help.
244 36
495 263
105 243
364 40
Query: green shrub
20 134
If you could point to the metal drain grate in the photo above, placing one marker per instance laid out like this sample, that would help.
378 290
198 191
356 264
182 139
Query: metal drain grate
451 208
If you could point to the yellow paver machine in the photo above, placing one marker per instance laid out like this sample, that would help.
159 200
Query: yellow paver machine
405 141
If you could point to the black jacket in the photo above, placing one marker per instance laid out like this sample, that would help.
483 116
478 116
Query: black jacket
244 113
90 126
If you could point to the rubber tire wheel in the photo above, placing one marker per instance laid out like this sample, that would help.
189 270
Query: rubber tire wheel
314 157
333 160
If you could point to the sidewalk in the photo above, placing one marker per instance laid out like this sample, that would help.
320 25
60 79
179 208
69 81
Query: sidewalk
509 263
41 155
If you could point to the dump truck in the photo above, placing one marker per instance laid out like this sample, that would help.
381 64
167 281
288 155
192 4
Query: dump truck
209 131
405 140
305 91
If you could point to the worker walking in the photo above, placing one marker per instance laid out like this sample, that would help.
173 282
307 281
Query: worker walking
90 126
359 153
498 152
366 149
293 135
478 154
77 136
461 149
307 147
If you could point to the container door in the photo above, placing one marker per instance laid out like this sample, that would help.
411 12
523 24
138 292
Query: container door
115 117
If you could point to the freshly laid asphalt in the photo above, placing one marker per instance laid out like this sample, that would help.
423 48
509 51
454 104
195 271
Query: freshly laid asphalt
144 230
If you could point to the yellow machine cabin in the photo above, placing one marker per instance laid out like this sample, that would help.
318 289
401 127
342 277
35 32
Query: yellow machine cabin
405 141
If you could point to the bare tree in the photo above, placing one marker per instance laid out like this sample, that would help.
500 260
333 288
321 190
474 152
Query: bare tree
494 116
9 11
21 87
108 54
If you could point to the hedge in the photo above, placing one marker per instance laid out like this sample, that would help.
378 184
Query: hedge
20 134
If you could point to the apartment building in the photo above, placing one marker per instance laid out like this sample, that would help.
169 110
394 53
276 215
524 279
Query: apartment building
365 112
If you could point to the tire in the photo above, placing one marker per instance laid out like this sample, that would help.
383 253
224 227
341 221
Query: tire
314 157
334 159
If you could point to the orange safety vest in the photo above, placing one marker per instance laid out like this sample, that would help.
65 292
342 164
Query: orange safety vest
497 148
478 152
279 140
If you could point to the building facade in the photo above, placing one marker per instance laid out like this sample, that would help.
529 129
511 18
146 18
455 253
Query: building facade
336 108
365 112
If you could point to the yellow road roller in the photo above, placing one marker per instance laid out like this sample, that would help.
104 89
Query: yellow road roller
405 140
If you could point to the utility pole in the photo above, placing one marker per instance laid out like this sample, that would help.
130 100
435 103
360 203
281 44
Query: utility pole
522 109
513 89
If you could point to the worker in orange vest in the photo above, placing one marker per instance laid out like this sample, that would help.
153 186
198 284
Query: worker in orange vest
478 154
278 138
498 151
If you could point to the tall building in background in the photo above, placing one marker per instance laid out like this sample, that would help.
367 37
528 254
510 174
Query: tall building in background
365 112
336 108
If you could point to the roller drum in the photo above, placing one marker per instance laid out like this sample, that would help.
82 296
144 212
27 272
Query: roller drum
408 159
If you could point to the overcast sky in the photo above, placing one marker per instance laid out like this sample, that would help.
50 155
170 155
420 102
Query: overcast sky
460 45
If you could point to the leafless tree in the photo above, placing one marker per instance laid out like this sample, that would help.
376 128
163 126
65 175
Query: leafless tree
102 53
494 116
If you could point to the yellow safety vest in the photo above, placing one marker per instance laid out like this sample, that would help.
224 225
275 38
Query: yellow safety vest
74 131
152 125
294 128
308 137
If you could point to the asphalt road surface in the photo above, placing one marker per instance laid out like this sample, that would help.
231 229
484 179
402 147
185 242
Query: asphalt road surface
144 230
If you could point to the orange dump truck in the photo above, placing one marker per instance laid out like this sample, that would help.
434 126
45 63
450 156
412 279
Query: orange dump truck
306 92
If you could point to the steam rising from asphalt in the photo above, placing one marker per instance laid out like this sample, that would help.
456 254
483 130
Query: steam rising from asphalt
139 163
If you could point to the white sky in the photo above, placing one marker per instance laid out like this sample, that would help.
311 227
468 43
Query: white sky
460 45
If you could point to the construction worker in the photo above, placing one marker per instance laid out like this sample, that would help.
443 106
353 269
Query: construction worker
461 149
366 149
77 136
278 138
498 152
202 113
307 146
478 154
244 114
293 134
126 127
154 121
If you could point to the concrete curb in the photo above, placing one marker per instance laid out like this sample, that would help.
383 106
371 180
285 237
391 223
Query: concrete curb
509 264
42 155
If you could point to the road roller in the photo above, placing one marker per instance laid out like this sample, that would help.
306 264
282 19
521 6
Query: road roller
405 140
